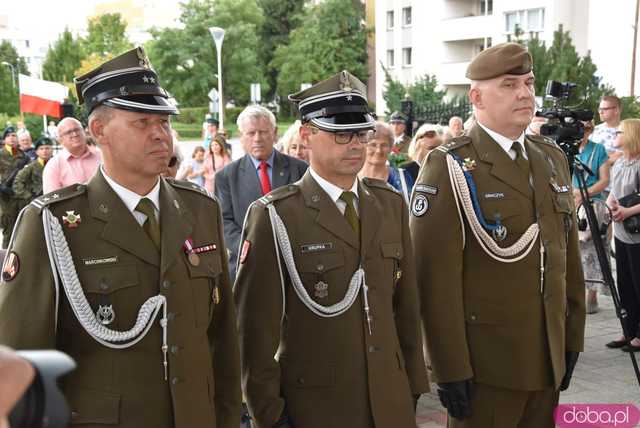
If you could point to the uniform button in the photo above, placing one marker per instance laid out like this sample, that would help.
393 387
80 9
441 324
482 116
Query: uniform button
175 380
174 349
166 284
171 316
473 317
74 415
301 380
373 349
320 266
104 286
397 253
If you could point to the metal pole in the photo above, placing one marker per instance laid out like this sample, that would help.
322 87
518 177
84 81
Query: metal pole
635 44
218 36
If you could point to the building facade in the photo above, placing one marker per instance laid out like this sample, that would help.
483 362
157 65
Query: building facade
441 37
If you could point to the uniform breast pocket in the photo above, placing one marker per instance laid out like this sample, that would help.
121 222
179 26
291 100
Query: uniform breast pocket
504 209
563 208
113 293
323 276
392 254
205 283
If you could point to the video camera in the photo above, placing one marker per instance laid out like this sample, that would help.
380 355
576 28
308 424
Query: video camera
564 124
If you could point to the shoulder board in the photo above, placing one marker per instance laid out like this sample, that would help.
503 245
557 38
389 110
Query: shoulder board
454 144
187 185
58 195
278 194
540 139
380 184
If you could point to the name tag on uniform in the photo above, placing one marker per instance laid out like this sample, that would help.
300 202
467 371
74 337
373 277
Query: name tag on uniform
100 261
314 248
425 188
494 195
559 188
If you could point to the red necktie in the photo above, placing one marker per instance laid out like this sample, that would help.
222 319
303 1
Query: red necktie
264 178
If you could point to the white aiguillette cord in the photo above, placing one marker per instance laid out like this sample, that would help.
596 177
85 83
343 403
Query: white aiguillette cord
283 245
62 265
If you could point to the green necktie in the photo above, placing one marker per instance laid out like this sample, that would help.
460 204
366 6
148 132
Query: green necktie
350 212
521 161
150 226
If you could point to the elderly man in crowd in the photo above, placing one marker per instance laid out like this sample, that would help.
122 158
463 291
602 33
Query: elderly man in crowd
25 143
12 160
261 170
508 266
455 128
76 163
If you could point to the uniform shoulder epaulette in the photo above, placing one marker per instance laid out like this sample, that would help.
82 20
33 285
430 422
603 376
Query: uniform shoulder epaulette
59 195
541 139
278 194
454 143
187 185
379 184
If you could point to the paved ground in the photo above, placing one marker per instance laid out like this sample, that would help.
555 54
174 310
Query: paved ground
602 375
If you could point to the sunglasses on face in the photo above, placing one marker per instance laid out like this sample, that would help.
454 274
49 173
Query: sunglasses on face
173 161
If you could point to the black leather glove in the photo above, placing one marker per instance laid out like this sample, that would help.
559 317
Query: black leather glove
283 422
571 358
456 398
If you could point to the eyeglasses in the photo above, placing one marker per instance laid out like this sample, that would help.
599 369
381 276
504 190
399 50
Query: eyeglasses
345 137
173 161
427 134
606 108
72 132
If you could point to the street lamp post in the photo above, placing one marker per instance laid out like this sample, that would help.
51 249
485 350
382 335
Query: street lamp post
218 36
13 72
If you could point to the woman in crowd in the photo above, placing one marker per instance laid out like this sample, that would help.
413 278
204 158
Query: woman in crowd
194 171
595 157
427 138
375 164
217 158
174 163
293 144
625 180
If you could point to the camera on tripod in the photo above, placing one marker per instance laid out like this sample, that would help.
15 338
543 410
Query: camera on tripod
564 124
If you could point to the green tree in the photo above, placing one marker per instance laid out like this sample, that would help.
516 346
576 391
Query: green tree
106 35
393 92
423 92
9 98
63 58
280 17
331 37
186 59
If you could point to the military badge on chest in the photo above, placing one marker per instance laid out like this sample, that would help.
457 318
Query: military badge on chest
321 290
192 252
71 219
105 314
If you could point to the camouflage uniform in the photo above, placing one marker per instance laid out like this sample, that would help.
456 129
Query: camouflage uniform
28 183
9 203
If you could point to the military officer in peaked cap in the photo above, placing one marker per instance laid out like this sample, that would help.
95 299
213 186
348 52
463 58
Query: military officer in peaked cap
493 223
334 298
135 284
401 140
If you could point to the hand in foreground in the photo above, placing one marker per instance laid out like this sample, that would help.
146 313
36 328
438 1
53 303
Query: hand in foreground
456 398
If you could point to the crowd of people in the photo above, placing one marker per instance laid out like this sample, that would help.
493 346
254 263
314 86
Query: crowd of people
334 272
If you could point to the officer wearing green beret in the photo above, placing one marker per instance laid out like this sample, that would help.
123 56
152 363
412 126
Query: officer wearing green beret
326 283
136 287
12 160
28 183
493 224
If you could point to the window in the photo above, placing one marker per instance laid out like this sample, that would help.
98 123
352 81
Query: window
486 7
406 57
406 16
526 20
390 20
390 58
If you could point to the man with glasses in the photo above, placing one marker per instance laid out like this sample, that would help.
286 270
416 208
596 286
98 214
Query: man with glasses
77 162
609 110
326 283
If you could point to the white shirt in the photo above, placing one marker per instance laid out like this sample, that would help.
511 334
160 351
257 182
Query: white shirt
131 199
506 143
335 192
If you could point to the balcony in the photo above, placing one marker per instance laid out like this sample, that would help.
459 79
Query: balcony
468 27
453 73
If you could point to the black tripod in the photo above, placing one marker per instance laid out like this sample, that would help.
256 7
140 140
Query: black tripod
581 169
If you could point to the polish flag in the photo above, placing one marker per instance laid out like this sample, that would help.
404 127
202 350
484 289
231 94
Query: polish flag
41 96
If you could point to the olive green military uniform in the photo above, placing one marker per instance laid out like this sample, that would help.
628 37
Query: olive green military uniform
10 205
330 372
28 183
119 265
498 323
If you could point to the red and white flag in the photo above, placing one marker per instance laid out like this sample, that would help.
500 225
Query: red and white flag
41 96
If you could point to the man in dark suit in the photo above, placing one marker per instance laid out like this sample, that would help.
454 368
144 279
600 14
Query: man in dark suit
261 170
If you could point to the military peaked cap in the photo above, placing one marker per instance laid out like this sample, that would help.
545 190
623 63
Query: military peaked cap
336 104
125 82
397 117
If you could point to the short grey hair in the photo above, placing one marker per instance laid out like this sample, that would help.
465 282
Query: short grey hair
255 112
383 132
23 133
102 113
67 120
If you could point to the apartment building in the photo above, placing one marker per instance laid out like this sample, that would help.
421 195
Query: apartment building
440 37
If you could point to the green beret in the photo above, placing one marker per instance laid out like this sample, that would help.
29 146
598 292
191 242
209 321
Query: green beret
42 141
505 58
